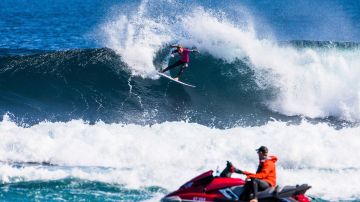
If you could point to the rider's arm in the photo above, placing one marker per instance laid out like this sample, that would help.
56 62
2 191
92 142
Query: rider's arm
232 168
193 50
263 174
238 171
265 171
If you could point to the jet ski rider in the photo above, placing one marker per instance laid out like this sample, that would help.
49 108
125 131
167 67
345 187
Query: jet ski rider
264 177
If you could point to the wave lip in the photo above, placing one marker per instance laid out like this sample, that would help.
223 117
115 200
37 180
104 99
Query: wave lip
323 44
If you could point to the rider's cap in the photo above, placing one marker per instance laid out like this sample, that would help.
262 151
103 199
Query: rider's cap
262 149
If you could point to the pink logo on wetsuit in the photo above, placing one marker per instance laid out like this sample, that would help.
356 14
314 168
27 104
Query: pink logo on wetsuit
184 56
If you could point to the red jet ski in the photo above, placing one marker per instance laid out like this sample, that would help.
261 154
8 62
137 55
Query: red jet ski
207 187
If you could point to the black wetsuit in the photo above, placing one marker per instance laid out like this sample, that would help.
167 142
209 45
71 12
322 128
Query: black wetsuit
181 63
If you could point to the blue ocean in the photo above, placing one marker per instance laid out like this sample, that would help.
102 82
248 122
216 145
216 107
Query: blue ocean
85 117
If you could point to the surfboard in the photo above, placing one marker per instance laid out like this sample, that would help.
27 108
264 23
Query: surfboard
172 79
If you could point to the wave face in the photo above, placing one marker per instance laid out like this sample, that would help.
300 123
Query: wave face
96 84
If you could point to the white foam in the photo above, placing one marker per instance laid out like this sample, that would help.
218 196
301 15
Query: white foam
311 82
136 38
168 154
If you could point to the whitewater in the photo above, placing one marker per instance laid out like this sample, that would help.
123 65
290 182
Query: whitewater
85 117
140 156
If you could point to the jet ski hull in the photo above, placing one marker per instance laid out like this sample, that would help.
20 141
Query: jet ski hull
206 187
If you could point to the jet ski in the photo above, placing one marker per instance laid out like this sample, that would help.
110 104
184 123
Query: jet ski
207 187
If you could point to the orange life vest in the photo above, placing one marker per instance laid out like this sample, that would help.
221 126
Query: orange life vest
266 171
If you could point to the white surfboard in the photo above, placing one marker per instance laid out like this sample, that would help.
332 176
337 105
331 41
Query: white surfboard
172 79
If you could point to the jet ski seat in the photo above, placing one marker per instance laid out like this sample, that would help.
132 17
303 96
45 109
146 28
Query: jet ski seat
287 191
269 192
277 192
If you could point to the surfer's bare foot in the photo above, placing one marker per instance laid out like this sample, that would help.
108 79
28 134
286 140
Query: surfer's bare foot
176 78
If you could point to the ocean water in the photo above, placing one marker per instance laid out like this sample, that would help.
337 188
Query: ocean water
85 117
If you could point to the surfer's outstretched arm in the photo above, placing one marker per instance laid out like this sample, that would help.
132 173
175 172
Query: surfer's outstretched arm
173 52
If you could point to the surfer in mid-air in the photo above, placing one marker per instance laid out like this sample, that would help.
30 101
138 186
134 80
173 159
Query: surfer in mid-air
183 62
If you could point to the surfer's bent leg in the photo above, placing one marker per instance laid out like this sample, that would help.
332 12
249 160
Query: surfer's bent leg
183 67
172 66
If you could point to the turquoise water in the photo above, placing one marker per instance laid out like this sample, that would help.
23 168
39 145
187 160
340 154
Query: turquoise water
74 190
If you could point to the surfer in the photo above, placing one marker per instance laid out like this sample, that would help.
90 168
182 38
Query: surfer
183 62
264 178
